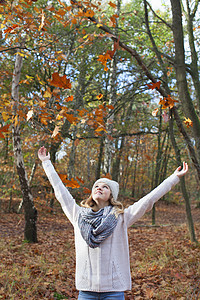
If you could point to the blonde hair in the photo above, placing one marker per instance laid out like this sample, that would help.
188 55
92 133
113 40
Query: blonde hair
90 203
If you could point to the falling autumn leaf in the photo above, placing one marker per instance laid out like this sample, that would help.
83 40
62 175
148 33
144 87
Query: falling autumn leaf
69 183
100 96
154 85
108 55
188 122
112 4
167 102
103 58
60 81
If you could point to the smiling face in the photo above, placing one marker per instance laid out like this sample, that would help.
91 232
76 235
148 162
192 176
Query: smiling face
101 194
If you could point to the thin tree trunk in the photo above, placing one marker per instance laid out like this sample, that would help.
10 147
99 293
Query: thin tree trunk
108 141
30 230
183 186
116 163
181 75
98 169
135 168
194 57
158 163
30 181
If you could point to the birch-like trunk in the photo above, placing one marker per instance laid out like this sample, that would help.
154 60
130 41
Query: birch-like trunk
108 144
30 230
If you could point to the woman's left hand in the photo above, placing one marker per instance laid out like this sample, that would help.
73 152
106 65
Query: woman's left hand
181 172
42 154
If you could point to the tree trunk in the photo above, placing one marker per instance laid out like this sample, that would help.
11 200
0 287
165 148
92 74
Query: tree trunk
117 160
183 186
108 141
158 164
71 165
99 162
30 231
30 181
108 145
181 75
194 57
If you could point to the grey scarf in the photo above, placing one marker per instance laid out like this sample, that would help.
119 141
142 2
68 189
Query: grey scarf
95 227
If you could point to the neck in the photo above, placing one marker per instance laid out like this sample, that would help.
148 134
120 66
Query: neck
98 205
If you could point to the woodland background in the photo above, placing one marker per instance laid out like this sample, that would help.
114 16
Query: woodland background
110 88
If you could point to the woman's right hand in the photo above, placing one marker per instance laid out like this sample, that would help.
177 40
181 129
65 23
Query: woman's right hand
42 154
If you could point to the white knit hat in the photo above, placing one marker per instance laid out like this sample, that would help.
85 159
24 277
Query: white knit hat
113 185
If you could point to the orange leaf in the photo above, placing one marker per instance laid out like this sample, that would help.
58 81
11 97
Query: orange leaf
70 183
100 96
63 177
60 81
153 85
70 98
112 4
188 122
89 13
71 118
4 128
167 102
110 106
43 121
11 29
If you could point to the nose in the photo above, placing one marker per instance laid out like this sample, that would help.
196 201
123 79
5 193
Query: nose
98 188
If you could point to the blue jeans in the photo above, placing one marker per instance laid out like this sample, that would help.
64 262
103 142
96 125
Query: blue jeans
101 296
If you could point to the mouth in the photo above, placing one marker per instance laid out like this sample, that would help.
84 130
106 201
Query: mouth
98 192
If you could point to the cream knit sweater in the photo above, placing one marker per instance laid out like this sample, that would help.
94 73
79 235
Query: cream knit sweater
106 268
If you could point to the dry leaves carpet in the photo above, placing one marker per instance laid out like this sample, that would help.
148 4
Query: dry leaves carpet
164 264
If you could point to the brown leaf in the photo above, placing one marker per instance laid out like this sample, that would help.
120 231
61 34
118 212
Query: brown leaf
60 81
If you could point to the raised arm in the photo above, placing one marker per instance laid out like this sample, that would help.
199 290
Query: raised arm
62 194
139 208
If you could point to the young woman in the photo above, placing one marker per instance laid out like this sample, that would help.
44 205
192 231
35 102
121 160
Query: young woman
100 228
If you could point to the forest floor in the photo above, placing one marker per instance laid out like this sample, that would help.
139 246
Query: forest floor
164 263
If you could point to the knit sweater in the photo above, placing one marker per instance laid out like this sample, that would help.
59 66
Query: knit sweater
107 267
